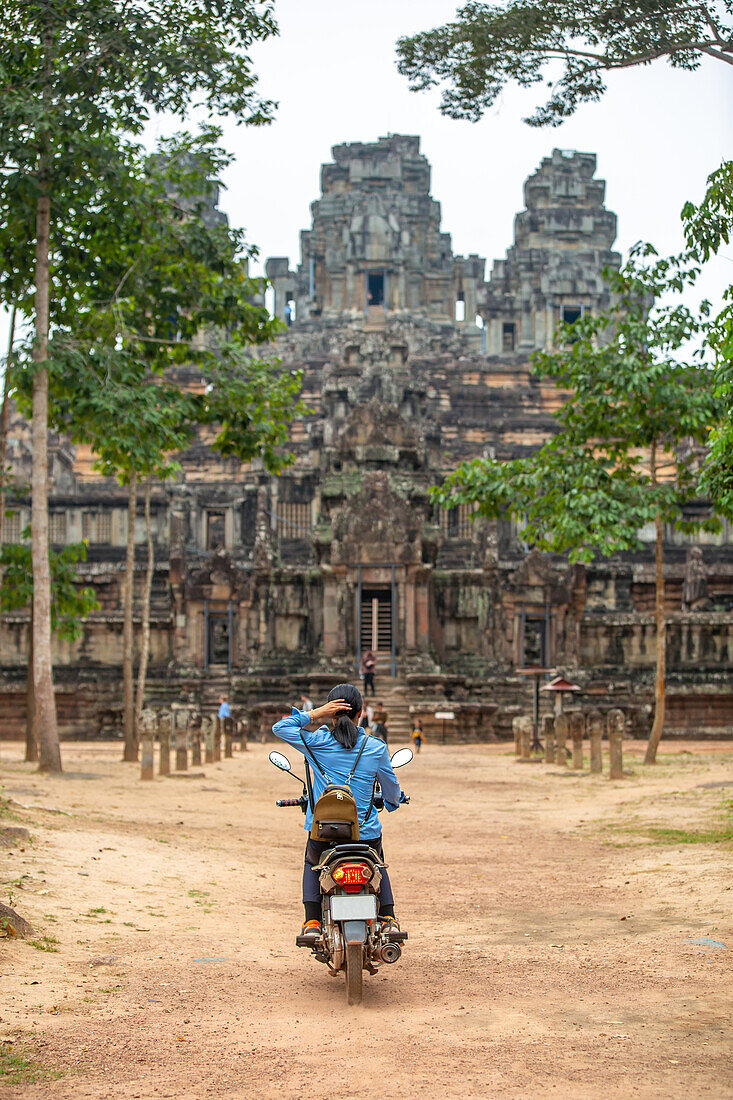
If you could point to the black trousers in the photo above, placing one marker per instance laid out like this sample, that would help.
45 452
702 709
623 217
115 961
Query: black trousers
369 682
314 850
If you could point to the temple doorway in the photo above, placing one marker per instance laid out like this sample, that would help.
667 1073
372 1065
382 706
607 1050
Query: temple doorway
218 635
376 621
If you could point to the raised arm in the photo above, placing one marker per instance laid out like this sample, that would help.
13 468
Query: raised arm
289 728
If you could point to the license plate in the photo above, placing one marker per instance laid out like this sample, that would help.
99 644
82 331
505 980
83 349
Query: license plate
353 907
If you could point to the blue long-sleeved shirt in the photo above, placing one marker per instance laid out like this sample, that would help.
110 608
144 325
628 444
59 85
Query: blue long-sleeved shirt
337 762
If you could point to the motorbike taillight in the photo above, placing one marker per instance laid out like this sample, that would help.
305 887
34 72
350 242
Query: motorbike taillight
352 876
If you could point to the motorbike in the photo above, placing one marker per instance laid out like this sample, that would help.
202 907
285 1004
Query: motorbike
352 939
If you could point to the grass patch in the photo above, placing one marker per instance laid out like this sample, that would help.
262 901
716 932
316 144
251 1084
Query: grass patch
96 912
16 1069
44 943
721 835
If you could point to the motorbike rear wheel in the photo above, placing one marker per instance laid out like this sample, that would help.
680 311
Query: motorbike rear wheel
354 973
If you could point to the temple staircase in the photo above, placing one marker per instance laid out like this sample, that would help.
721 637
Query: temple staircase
393 693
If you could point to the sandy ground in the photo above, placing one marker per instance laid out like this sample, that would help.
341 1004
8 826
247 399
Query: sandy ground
552 946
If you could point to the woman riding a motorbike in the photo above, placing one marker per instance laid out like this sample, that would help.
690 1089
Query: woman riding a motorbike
336 750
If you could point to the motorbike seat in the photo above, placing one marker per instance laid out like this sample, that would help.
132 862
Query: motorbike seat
345 851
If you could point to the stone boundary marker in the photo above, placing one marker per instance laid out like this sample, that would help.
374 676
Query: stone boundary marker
180 723
595 736
181 729
148 727
556 732
576 722
548 734
561 738
615 725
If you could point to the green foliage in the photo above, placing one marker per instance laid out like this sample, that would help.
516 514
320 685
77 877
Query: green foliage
177 296
708 227
80 78
70 603
591 487
524 41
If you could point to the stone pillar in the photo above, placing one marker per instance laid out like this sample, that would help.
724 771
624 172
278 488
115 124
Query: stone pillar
208 730
561 738
147 744
517 731
548 734
164 736
243 730
595 736
576 722
615 725
228 737
195 735
217 739
181 721
525 738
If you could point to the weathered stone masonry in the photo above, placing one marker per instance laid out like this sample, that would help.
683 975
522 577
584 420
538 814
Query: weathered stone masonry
412 362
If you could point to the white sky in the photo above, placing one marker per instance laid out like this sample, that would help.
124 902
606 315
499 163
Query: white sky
657 133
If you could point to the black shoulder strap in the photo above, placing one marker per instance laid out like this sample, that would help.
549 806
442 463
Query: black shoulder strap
356 762
309 754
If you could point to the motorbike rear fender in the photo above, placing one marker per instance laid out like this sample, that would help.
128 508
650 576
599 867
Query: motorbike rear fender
355 931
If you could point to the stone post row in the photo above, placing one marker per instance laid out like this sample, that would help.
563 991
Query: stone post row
217 739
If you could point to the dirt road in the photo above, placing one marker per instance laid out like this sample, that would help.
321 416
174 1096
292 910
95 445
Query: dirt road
557 947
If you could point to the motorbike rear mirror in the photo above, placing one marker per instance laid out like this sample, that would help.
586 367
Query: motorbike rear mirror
280 761
401 757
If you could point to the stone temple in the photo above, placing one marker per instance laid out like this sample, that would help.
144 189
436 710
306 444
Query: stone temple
412 361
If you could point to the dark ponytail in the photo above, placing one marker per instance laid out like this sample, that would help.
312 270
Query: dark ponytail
344 730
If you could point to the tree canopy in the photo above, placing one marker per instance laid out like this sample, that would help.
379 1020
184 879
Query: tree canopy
708 227
630 435
70 601
567 45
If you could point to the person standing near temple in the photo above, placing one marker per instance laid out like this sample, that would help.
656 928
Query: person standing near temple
379 723
224 710
369 670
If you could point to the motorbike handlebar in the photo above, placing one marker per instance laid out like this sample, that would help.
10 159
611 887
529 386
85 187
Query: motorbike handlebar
289 802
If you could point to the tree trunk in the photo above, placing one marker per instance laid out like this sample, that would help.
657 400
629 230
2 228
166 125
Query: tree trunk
661 622
145 634
45 703
31 733
656 735
128 682
4 440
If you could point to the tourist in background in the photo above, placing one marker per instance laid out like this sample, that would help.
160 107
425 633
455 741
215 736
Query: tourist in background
379 723
224 711
368 670
417 735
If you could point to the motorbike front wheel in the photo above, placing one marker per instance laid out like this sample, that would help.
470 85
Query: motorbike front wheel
354 973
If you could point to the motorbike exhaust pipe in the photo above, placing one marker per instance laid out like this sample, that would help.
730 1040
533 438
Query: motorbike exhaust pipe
390 952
